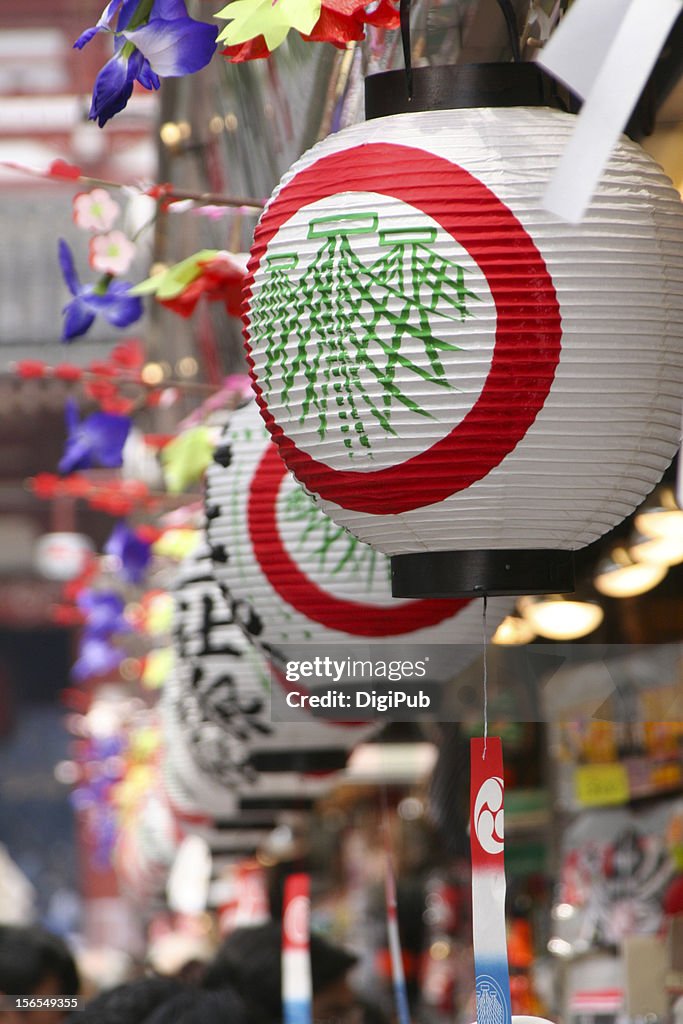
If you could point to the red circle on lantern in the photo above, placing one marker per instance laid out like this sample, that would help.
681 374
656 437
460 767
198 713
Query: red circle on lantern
528 330
298 590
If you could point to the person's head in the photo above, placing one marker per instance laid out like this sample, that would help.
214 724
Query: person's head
131 1003
34 962
196 1006
249 961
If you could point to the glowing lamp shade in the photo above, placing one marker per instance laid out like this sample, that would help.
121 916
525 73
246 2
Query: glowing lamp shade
556 618
466 384
663 519
621 575
513 632
657 550
298 579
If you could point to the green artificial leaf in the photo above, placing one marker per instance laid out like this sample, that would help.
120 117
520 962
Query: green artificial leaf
173 281
186 458
271 19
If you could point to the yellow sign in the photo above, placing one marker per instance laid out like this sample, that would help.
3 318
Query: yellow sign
601 785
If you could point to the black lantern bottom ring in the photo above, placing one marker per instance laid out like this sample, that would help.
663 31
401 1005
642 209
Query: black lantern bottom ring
429 574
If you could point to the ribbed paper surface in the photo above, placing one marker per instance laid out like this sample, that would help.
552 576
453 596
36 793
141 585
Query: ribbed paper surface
308 581
216 710
445 364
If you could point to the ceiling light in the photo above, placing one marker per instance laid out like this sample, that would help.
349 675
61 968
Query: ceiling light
557 618
657 550
513 631
620 575
663 519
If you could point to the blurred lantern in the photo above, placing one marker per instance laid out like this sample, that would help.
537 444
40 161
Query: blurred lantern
63 556
623 575
307 580
461 380
224 754
662 517
513 632
146 845
207 766
556 618
664 551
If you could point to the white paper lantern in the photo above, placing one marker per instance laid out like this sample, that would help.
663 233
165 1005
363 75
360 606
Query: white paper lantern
206 769
224 755
450 370
147 844
63 556
300 580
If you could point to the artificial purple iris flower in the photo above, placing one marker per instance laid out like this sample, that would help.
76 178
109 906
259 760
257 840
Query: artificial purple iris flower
96 657
97 440
108 297
153 39
103 610
133 553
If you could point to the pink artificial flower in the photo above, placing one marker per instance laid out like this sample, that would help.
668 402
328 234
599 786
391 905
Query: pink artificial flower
212 212
95 211
112 253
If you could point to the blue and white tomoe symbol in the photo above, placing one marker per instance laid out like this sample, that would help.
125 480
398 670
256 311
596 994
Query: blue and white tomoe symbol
488 883
487 841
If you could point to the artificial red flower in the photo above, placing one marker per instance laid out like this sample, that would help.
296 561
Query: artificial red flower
135 489
30 368
340 22
103 369
118 405
158 441
67 371
253 49
129 355
66 615
76 486
45 485
112 504
61 169
220 279
150 534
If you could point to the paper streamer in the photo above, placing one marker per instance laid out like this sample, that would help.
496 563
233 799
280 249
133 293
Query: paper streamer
247 901
603 52
488 882
297 982
397 973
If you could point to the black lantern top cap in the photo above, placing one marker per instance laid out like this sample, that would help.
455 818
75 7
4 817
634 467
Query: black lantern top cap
457 86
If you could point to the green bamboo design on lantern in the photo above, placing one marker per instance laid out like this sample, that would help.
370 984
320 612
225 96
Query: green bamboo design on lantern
336 311
276 315
336 549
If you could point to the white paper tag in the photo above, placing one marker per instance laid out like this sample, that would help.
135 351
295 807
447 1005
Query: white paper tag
577 48
611 90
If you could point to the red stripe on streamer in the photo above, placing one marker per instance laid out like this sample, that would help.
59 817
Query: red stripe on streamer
296 913
486 804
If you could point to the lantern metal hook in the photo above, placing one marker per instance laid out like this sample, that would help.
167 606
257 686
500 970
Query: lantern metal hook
404 13
508 13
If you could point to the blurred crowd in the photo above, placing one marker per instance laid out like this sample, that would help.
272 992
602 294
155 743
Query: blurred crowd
241 985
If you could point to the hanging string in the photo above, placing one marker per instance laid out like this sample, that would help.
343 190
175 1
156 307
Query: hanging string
486 678
404 13
508 13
